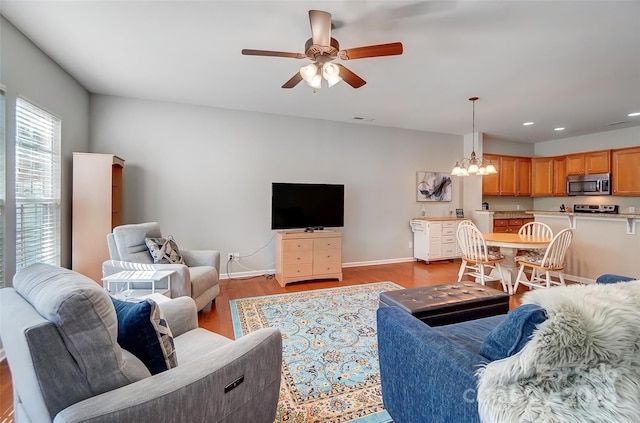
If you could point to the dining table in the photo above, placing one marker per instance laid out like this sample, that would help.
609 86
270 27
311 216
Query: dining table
509 244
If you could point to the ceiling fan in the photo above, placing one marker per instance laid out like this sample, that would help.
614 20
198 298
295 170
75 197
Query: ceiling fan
322 49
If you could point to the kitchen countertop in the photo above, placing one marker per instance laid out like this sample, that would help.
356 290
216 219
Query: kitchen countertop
598 215
437 218
505 214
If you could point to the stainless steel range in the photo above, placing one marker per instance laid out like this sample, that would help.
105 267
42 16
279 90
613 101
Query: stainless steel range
595 208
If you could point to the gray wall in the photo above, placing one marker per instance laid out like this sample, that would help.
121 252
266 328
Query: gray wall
205 174
26 71
620 138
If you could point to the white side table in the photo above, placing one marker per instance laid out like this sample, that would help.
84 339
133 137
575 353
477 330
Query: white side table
119 284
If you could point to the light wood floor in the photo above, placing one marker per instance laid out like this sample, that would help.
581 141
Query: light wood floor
409 275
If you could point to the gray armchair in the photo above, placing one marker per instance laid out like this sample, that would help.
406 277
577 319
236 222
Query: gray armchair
198 279
59 331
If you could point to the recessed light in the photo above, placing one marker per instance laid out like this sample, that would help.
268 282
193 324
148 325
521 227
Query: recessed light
558 129
634 114
527 124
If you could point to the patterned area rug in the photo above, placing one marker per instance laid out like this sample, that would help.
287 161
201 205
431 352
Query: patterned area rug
330 370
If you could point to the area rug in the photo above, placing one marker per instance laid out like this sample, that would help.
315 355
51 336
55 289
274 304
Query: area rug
330 371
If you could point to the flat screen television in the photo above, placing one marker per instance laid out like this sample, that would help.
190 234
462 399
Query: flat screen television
308 206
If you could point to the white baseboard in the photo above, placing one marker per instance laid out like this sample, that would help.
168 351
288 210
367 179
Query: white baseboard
249 274
579 279
253 273
378 262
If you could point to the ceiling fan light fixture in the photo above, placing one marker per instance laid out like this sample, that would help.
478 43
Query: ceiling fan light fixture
315 82
330 71
308 72
333 80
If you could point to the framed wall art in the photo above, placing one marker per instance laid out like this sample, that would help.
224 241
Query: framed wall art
433 186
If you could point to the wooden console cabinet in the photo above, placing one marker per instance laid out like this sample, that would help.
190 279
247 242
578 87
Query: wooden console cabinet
97 209
304 256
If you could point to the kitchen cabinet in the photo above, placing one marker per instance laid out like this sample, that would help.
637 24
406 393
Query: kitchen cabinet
588 163
491 183
625 175
513 178
542 181
523 177
435 239
548 176
559 176
510 225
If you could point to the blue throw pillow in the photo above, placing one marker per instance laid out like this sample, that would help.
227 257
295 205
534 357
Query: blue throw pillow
143 331
513 333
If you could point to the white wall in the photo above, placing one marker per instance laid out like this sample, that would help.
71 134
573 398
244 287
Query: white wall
599 246
205 174
26 71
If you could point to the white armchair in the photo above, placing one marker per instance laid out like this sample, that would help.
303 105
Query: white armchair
197 279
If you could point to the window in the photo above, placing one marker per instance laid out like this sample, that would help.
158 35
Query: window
2 190
37 186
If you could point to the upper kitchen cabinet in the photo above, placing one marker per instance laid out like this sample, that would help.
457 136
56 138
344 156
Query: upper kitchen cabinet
491 183
588 163
542 181
523 174
625 175
548 176
513 178
559 176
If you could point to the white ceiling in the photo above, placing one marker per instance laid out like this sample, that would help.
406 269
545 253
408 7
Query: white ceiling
574 64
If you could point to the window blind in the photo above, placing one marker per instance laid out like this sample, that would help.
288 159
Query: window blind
37 185
2 189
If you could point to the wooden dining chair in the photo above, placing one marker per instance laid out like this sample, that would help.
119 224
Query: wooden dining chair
476 259
537 229
541 268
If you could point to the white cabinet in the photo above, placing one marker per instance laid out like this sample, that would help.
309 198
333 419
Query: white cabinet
435 239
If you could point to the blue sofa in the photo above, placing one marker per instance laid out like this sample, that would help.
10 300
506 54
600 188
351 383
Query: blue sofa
428 373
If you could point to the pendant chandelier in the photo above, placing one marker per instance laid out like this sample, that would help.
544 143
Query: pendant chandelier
473 165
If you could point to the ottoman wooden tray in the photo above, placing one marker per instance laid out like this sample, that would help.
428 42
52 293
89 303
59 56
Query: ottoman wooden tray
444 304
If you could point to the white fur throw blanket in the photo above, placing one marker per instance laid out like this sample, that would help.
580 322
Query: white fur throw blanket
581 365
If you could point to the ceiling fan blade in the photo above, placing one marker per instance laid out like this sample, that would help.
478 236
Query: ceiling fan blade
320 27
350 78
249 52
377 50
295 79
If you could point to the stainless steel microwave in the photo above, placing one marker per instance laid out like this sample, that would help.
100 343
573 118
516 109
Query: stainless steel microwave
596 184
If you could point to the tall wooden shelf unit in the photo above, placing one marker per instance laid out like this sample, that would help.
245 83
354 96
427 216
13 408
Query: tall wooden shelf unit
304 256
97 209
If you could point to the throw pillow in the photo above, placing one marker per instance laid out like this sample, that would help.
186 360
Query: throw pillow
164 250
143 331
510 336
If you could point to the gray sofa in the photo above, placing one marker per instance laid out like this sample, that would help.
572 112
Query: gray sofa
198 278
59 331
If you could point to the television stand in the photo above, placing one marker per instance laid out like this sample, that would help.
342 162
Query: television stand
306 255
